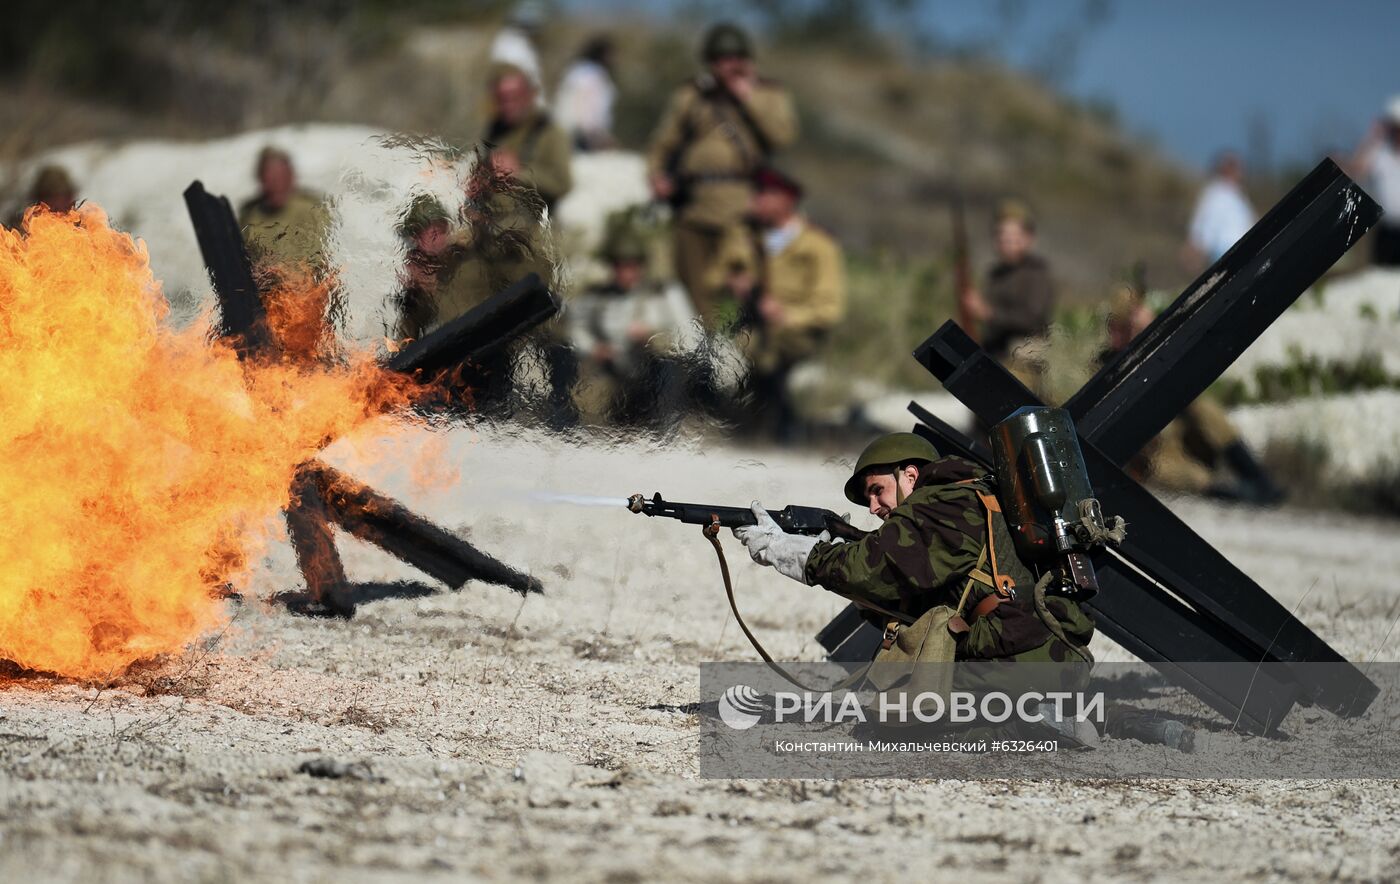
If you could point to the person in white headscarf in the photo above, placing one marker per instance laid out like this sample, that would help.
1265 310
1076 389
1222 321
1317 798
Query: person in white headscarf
514 43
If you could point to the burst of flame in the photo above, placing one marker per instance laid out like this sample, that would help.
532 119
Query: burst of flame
140 463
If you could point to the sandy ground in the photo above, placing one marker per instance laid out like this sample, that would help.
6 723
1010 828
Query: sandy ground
483 737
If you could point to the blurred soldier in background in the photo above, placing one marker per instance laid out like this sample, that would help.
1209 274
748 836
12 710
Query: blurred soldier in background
625 329
1018 301
53 190
443 277
285 227
1189 454
1222 214
718 130
1378 158
788 277
525 147
523 141
584 105
438 283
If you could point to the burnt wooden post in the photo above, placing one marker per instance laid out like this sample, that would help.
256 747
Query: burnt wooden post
321 495
1167 595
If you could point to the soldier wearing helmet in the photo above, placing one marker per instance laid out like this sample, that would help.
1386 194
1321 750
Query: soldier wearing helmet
439 281
941 534
625 331
718 130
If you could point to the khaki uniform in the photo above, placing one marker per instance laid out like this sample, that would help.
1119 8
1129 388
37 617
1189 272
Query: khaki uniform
807 279
1021 298
544 152
291 237
1184 455
711 148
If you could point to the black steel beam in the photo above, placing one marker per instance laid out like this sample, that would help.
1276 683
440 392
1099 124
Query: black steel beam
386 523
321 494
242 317
948 439
1160 544
1193 341
480 332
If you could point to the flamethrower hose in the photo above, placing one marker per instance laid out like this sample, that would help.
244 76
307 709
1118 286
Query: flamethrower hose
711 534
1052 622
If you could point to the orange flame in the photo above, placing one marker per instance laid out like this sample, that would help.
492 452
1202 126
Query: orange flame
141 463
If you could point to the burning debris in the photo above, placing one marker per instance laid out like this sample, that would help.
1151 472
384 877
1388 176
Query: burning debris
441 361
142 461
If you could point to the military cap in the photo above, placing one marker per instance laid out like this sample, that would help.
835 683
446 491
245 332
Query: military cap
773 178
52 180
726 40
1015 210
888 451
425 210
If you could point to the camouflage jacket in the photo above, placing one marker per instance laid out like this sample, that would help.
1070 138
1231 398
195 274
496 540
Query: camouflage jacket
921 557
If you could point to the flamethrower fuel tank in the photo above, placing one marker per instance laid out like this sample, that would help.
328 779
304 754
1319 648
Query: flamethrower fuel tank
1042 483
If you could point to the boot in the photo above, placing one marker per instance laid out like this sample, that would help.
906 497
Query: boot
1255 486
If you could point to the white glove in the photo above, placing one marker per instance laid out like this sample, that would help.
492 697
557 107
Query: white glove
769 544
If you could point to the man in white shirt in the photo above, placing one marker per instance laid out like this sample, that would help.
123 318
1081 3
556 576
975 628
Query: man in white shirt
1378 159
1222 214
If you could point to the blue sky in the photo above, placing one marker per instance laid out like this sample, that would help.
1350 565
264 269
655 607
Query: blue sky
1197 76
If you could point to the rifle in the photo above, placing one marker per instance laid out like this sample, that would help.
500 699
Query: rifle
962 269
808 520
750 317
